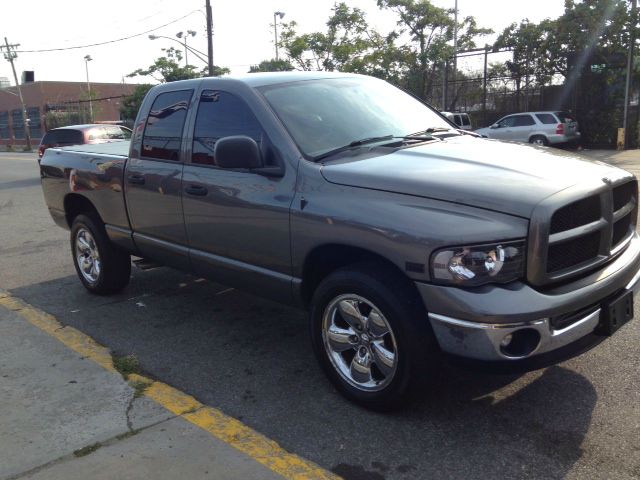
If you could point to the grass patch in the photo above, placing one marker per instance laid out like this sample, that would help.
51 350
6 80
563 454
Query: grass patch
126 365
81 452
128 434
139 387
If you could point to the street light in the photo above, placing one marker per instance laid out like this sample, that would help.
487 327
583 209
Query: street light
87 59
275 28
191 49
182 34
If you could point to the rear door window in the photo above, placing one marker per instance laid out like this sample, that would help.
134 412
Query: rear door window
221 114
465 120
523 121
546 118
163 132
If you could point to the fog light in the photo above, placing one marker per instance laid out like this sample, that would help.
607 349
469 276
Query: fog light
506 340
520 343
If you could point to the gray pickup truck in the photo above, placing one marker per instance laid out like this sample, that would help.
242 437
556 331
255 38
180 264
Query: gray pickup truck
405 238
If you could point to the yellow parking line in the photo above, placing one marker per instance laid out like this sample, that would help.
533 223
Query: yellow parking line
228 429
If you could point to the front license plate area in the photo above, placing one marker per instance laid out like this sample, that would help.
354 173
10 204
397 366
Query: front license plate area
616 313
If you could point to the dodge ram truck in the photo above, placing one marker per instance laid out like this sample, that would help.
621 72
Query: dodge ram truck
406 239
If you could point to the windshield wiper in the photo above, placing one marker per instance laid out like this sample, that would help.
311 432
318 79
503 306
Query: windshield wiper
365 141
355 143
430 130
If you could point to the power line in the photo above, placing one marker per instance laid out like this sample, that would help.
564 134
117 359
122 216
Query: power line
108 41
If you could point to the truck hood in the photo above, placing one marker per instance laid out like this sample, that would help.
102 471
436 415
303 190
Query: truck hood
506 177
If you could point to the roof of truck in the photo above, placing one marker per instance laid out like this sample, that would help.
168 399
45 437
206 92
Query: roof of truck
270 78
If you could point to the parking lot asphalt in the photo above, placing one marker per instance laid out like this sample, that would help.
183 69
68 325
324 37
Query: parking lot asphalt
252 359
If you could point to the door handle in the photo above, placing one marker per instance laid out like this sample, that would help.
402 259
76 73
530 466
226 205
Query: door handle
198 190
136 179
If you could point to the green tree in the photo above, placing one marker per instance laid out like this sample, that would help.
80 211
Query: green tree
531 63
272 65
347 45
167 68
430 29
131 104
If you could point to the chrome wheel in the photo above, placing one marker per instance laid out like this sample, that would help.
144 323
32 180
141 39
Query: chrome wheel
87 256
538 141
359 342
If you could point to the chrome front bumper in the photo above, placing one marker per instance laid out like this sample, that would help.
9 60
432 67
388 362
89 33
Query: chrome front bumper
478 335
482 340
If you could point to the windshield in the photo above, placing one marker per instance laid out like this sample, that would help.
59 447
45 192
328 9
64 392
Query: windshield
324 115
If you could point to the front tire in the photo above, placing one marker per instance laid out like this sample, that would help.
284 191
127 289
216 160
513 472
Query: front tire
101 267
372 337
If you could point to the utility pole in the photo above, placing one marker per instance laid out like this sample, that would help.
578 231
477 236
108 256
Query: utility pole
455 54
484 86
87 59
632 41
209 38
10 56
275 30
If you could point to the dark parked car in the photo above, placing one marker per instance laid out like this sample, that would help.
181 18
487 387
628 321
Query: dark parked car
79 134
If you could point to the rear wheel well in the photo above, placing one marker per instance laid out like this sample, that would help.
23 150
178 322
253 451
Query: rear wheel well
75 204
544 139
324 260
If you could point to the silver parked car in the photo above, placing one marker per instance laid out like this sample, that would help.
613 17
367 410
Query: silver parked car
461 119
540 128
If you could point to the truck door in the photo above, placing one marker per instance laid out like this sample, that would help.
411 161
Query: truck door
237 221
153 181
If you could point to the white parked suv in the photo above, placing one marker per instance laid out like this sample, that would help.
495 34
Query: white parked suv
540 128
461 119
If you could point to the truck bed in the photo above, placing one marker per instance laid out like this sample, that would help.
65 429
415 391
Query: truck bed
95 172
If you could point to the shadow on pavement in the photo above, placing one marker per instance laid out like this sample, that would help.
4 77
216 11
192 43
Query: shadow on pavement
252 359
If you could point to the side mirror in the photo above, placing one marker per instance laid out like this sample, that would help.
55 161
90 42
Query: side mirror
238 151
495 125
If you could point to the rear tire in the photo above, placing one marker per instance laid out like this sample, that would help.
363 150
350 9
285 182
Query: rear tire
372 337
539 140
100 265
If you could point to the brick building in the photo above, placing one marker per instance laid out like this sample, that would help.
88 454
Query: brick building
48 102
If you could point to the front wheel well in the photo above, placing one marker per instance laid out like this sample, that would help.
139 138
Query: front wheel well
75 204
326 259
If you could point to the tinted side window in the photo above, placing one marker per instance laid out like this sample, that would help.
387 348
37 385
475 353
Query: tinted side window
546 118
163 132
465 120
523 121
507 122
63 136
457 120
221 114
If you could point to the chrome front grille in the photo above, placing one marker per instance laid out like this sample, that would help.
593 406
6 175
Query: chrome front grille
581 229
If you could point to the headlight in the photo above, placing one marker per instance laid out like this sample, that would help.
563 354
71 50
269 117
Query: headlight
479 264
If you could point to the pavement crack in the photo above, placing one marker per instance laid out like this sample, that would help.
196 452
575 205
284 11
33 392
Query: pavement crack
90 448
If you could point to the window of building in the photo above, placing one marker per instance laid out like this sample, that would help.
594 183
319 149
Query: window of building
163 132
4 125
221 114
18 124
